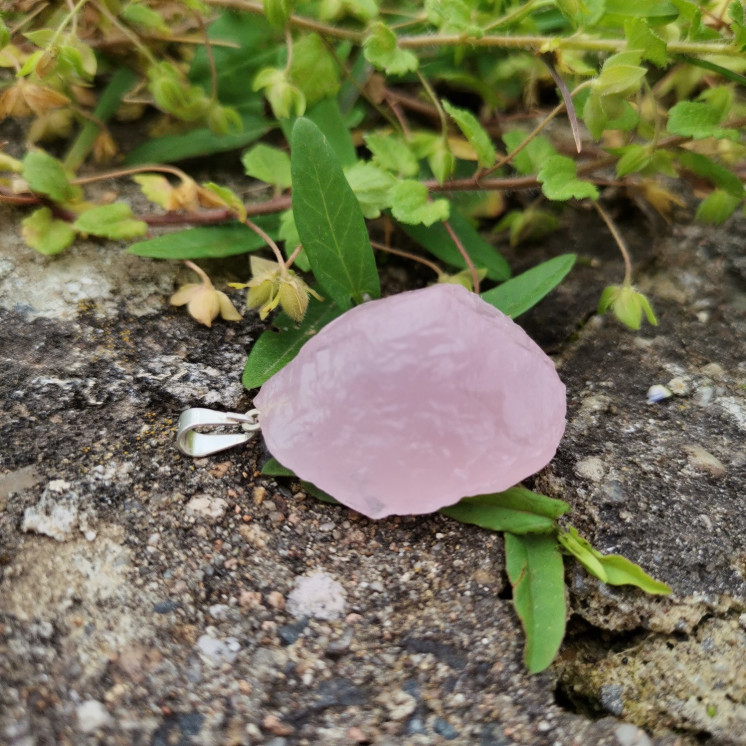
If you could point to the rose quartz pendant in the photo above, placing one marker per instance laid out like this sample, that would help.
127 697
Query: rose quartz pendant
407 404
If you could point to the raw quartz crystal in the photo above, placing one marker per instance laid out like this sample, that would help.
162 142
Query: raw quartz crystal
410 403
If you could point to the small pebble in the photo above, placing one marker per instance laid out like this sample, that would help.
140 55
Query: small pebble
678 386
657 393
445 729
317 595
211 508
630 735
92 716
217 651
703 460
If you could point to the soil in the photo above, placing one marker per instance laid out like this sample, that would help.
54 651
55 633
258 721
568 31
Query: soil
148 598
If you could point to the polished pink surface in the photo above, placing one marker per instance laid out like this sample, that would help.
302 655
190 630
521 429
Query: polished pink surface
407 404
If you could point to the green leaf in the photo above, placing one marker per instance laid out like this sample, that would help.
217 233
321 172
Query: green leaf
697 119
46 175
610 568
108 102
474 133
329 220
657 12
327 116
114 221
529 223
278 12
314 69
372 187
439 243
534 566
392 155
381 50
517 295
531 158
248 44
201 243
620 75
197 143
558 177
517 510
274 350
520 498
410 204
717 207
706 167
642 38
138 14
268 164
634 159
273 468
43 232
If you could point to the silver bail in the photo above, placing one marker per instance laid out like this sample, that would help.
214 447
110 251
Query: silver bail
197 444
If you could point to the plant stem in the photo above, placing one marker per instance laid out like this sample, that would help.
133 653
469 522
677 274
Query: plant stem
272 245
619 242
399 252
552 114
534 43
464 253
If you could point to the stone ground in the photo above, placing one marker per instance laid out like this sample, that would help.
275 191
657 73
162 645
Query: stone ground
146 598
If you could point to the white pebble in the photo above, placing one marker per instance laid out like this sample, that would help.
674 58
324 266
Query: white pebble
92 716
317 595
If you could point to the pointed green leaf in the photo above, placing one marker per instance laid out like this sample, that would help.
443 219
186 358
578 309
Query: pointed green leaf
474 133
381 50
114 221
197 143
439 243
517 295
273 468
559 181
46 175
43 232
657 12
410 204
610 568
717 207
634 158
327 116
274 350
201 243
534 566
717 174
329 220
268 164
517 510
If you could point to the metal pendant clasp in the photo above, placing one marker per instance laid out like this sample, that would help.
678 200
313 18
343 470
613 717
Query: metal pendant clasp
197 444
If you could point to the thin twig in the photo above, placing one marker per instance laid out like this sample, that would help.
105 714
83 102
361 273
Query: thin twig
464 253
399 252
619 242
270 242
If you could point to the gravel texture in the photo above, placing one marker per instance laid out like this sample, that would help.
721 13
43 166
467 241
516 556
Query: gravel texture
147 598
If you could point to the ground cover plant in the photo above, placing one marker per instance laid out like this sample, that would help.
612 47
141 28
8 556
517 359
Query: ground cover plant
406 128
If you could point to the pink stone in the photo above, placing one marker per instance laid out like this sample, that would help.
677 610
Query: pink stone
407 404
